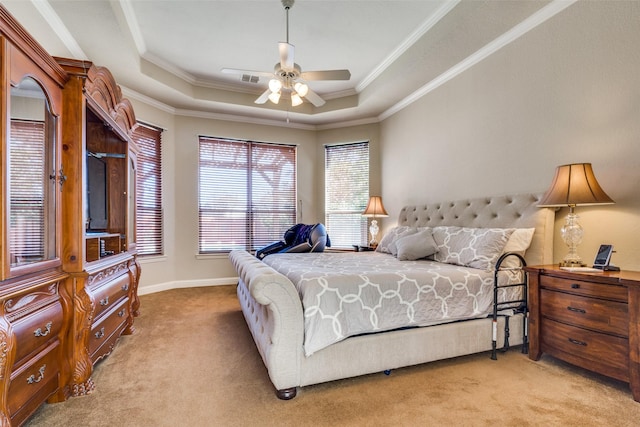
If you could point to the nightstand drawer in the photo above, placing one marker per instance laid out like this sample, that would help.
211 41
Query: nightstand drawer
591 313
598 352
588 289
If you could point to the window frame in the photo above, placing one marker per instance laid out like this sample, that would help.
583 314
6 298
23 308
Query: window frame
246 220
149 227
346 173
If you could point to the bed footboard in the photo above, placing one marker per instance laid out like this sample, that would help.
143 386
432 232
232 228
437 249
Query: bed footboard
273 311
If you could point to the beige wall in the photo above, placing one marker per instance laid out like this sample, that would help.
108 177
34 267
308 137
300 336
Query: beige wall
567 91
181 265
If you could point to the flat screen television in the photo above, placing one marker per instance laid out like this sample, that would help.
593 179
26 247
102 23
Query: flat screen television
97 215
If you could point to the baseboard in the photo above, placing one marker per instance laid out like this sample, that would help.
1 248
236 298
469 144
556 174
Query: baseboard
159 287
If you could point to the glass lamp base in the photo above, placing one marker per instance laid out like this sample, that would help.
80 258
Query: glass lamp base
374 229
572 234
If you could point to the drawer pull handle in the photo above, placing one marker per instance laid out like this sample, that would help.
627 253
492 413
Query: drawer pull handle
100 333
104 301
575 286
576 310
125 287
38 332
32 378
121 313
576 342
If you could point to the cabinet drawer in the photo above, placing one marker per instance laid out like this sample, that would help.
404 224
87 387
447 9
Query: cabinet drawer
606 354
36 330
113 321
34 382
588 289
591 313
110 293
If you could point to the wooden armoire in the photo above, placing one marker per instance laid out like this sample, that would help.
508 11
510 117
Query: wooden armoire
98 211
68 265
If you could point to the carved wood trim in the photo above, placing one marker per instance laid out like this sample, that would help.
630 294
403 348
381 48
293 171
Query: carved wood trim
16 308
107 273
104 95
83 317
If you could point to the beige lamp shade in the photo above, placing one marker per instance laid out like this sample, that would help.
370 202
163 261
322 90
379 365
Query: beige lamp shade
575 185
375 208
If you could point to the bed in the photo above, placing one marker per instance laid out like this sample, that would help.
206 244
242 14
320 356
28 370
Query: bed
279 320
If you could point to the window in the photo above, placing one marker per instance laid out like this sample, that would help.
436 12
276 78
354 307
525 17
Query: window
27 212
149 239
247 194
346 193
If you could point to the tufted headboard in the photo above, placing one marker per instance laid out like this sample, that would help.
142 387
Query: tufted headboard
517 211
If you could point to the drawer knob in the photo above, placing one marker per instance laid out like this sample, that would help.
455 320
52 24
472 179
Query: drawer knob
125 287
47 328
32 378
575 286
576 342
576 310
100 333
104 301
121 313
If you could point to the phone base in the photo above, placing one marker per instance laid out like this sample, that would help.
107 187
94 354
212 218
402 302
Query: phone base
607 267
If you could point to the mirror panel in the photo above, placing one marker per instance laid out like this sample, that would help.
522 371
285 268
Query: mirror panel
32 176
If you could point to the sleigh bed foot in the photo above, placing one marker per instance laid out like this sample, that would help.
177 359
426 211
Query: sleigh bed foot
286 393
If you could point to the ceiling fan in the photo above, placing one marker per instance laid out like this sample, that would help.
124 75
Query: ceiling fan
289 76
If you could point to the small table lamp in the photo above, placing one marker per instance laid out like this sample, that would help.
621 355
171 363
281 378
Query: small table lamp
574 185
375 209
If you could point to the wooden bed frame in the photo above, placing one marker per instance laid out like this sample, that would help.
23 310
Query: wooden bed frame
273 310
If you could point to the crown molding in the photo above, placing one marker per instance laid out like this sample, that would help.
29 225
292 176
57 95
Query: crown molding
503 40
440 13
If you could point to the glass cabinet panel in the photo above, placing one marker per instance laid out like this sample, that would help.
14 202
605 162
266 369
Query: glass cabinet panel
32 176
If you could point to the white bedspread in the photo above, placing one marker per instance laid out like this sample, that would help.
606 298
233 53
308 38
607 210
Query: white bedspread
351 293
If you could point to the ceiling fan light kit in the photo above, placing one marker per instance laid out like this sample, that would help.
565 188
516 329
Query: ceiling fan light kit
288 75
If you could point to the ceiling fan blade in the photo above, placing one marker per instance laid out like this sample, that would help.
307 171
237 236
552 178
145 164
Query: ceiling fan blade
314 98
251 72
263 98
326 75
286 55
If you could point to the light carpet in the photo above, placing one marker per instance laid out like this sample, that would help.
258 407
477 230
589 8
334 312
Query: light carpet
192 362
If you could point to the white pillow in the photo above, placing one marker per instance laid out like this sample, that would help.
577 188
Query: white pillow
518 242
470 247
416 246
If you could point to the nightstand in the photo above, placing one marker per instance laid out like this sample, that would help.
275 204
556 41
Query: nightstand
587 319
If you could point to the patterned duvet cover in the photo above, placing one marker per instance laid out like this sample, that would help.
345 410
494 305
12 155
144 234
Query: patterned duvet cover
352 293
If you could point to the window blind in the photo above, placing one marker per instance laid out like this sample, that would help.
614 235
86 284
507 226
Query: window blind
27 221
247 194
346 193
149 231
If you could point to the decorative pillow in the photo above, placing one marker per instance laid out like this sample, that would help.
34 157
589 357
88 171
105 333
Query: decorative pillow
416 246
393 246
470 247
518 242
391 236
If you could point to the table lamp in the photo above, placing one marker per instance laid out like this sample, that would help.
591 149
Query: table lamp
375 209
574 185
